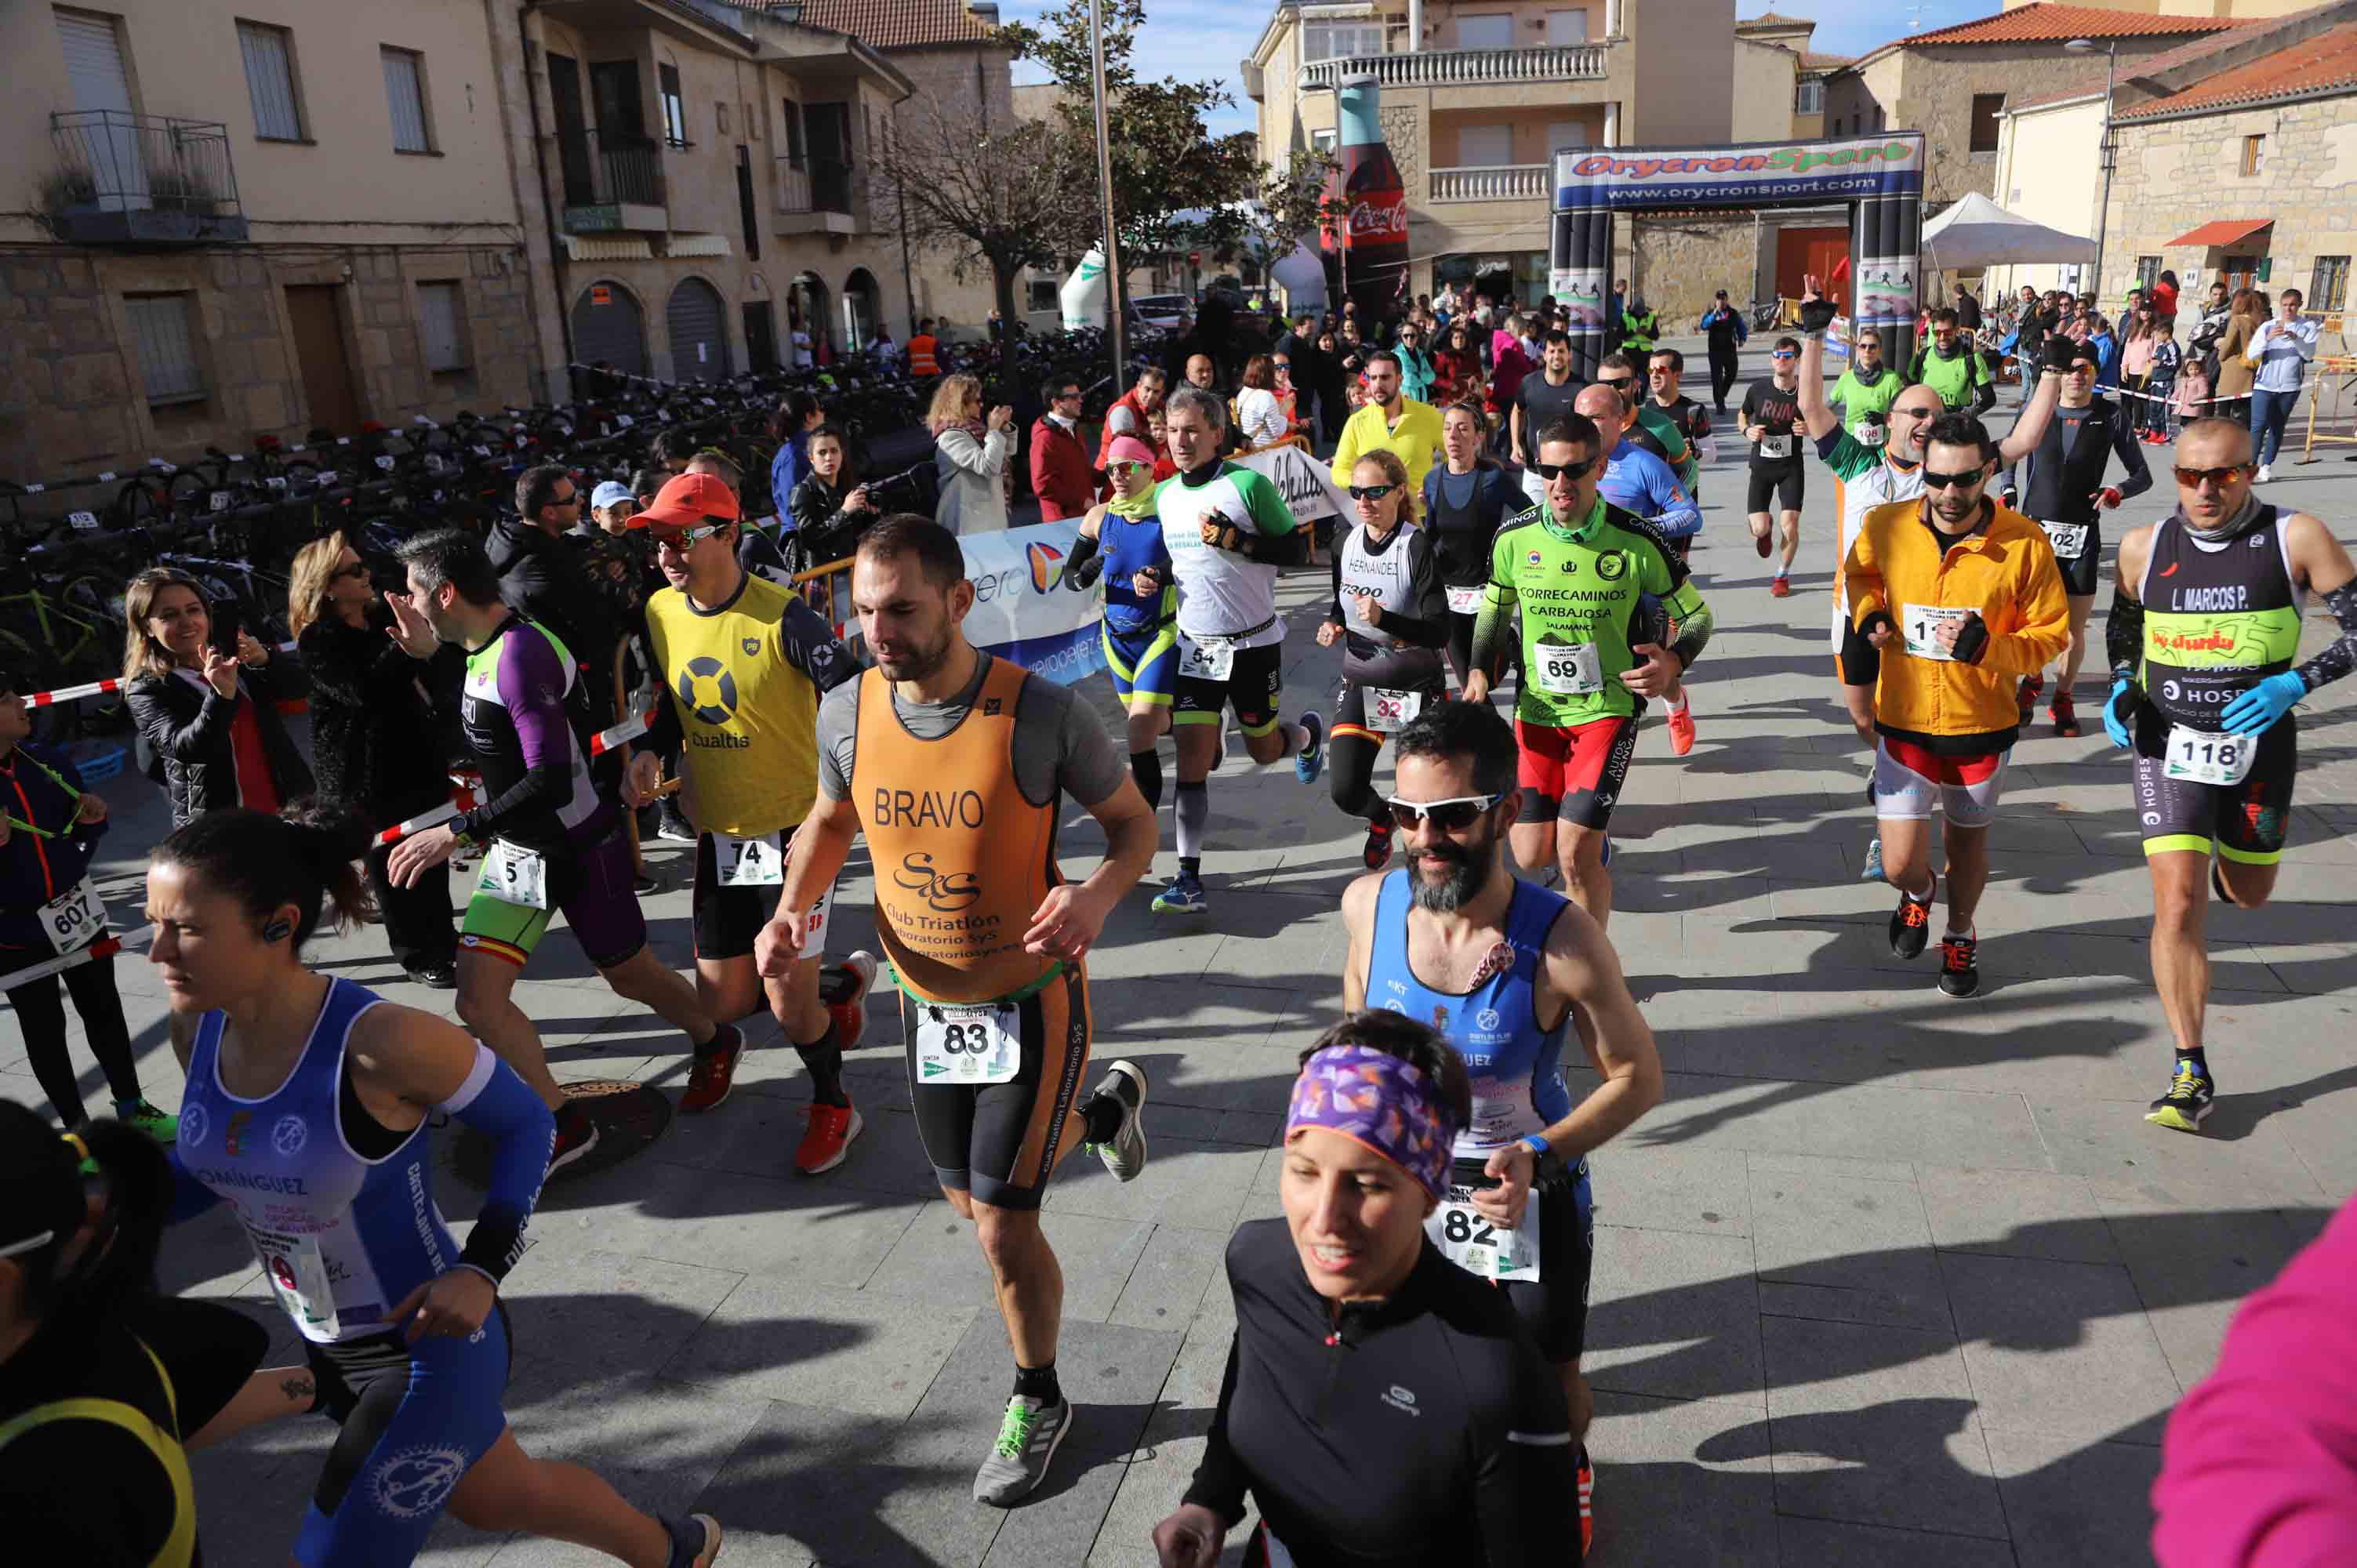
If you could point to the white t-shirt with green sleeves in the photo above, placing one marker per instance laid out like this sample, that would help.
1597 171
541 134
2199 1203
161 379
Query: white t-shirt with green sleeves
1221 594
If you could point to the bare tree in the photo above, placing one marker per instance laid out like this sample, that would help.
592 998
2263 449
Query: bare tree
1004 199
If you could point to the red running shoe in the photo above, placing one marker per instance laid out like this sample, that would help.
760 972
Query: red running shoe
713 1073
577 1134
2065 714
827 1138
2025 697
1378 851
1587 1503
845 990
1779 588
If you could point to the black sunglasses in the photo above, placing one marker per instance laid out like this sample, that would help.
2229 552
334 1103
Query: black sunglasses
1371 492
1932 481
1614 380
1565 470
1452 816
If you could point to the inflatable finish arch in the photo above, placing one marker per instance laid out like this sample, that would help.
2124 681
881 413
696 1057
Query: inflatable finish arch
1880 176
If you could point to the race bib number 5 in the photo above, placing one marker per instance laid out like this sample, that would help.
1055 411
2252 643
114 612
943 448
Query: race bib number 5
514 876
1212 660
1567 670
967 1045
1480 1245
1921 627
2201 757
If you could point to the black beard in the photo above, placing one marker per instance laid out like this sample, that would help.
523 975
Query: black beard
1468 875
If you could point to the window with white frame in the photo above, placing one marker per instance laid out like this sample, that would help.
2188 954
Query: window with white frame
405 94
165 343
442 324
1808 98
270 80
1337 40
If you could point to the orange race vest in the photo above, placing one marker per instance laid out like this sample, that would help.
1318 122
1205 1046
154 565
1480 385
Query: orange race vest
962 859
920 356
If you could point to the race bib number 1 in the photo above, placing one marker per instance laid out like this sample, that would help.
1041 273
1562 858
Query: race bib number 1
2201 757
1481 1246
967 1045
1212 660
749 862
71 919
514 876
1567 670
1921 627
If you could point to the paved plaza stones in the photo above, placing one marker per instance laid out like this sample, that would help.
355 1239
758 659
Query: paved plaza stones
1886 1278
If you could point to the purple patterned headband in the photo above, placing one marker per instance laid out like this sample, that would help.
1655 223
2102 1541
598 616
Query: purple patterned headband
1380 1102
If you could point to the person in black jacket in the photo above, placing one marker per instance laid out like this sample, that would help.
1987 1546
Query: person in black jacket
209 715
49 828
549 581
831 507
372 706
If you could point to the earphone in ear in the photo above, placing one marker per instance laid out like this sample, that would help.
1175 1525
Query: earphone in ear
277 931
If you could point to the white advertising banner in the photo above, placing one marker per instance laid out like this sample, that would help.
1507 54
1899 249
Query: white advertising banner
1307 484
1022 610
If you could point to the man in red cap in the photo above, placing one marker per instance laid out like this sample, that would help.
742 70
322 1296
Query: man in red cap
743 660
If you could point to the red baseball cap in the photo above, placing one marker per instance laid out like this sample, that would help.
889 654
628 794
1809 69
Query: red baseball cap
686 501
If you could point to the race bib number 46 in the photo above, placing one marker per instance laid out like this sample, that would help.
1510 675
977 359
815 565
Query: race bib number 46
1566 670
967 1045
2199 756
1775 445
1212 660
1481 1246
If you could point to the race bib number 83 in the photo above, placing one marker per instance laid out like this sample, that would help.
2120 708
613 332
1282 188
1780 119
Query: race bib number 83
967 1045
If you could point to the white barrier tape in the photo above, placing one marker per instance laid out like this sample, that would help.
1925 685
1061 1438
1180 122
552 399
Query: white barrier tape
629 729
399 830
104 947
98 688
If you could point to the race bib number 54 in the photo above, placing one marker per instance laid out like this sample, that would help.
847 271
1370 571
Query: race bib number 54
1212 660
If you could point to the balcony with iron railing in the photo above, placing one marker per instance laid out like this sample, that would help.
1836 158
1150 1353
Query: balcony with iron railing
815 197
1466 68
1491 182
148 179
611 183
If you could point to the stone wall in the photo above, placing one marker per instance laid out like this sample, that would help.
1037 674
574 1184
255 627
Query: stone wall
2175 175
1681 263
73 403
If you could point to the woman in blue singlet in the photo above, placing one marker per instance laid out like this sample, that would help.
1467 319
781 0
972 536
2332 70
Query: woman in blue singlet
307 1111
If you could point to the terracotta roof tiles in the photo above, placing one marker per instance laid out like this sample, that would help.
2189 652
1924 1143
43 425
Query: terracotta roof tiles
2325 61
891 24
2046 23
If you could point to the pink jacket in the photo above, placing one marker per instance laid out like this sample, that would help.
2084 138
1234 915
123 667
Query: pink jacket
2258 1468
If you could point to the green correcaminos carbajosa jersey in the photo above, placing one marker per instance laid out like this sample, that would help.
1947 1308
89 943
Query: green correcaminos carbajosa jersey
1582 593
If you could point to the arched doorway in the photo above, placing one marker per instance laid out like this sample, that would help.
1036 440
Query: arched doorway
699 332
809 308
609 326
863 304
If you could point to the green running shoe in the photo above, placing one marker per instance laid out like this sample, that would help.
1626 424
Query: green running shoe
157 1124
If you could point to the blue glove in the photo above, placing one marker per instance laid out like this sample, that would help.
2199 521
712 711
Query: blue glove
2115 724
2258 708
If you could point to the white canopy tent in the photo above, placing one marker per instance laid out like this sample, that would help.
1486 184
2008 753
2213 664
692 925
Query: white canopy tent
1977 233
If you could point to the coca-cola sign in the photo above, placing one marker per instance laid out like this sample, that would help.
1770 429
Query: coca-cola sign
1381 215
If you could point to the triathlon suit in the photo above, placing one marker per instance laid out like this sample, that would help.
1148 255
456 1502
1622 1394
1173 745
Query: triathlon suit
341 1214
1139 634
1391 671
2218 620
1462 512
2058 484
1579 593
1865 478
960 803
1231 642
1776 468
1424 1428
558 846
745 678
1518 1091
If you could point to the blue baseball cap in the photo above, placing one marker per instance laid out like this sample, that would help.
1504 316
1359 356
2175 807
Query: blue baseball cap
606 494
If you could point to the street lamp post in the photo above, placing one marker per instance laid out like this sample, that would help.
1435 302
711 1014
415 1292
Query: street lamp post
1114 291
2104 210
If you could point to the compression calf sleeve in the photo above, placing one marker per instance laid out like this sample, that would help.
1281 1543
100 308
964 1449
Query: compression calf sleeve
1194 814
2337 658
495 1102
1146 766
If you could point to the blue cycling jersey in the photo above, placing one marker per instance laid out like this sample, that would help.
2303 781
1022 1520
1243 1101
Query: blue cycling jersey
1637 481
1518 1087
341 1239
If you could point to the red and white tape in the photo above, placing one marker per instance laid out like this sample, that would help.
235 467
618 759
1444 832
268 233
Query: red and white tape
104 947
463 798
629 729
99 688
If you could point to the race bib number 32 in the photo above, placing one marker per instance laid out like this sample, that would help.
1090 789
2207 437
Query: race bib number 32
2199 756
1389 712
967 1045
1481 1246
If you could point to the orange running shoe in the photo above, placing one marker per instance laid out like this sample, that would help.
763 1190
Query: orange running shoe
1682 730
827 1138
